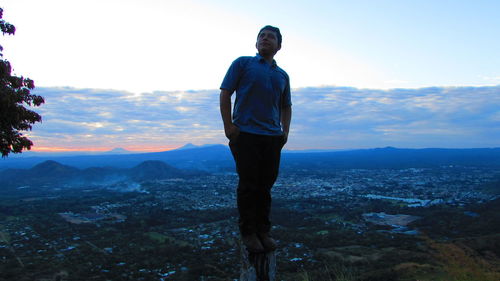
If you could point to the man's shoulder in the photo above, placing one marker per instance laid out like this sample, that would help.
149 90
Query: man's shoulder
242 62
281 70
244 59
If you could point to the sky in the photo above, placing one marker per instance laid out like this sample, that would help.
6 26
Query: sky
324 118
163 61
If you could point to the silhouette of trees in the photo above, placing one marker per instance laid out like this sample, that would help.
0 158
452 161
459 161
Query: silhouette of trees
15 95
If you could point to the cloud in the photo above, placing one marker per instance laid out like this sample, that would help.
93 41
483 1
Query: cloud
323 117
105 118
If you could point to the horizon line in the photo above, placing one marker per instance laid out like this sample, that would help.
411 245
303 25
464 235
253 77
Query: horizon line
62 150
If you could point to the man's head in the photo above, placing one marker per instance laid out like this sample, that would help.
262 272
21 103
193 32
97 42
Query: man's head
268 40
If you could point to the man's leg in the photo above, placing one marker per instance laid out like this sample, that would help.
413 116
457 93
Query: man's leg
247 157
269 172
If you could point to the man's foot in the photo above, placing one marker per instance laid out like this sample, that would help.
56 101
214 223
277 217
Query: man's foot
252 243
268 242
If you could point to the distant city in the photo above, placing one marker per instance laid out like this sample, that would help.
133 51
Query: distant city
386 212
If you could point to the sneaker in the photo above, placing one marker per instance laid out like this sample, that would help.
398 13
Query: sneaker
252 243
268 242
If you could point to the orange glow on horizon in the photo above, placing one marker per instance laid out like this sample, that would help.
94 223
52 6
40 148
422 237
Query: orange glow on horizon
101 149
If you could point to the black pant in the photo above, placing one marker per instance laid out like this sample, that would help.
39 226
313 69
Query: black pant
257 160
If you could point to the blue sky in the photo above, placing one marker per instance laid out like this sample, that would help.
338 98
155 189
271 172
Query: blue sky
151 50
153 45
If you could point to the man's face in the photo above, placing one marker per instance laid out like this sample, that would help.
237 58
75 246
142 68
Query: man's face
267 42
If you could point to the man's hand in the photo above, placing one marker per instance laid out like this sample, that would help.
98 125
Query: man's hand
286 118
285 137
231 131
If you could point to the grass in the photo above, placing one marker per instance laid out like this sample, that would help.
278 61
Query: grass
4 237
463 264
335 273
162 238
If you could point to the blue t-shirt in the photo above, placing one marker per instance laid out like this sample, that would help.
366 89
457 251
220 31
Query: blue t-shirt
262 90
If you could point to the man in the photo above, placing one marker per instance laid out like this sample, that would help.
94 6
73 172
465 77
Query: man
257 132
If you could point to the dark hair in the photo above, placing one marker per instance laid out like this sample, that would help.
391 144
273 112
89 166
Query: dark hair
274 29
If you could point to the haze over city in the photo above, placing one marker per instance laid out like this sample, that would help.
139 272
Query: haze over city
143 75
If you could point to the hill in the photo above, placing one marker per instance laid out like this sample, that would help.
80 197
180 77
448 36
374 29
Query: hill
52 172
395 158
217 158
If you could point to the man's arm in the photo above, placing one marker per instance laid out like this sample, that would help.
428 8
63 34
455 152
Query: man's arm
286 118
225 110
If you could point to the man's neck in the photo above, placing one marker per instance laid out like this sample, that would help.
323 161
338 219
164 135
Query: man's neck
268 57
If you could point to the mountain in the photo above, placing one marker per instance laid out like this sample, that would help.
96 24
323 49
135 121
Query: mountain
52 172
393 158
46 172
153 169
52 154
52 168
218 158
192 146
118 150
187 146
202 158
